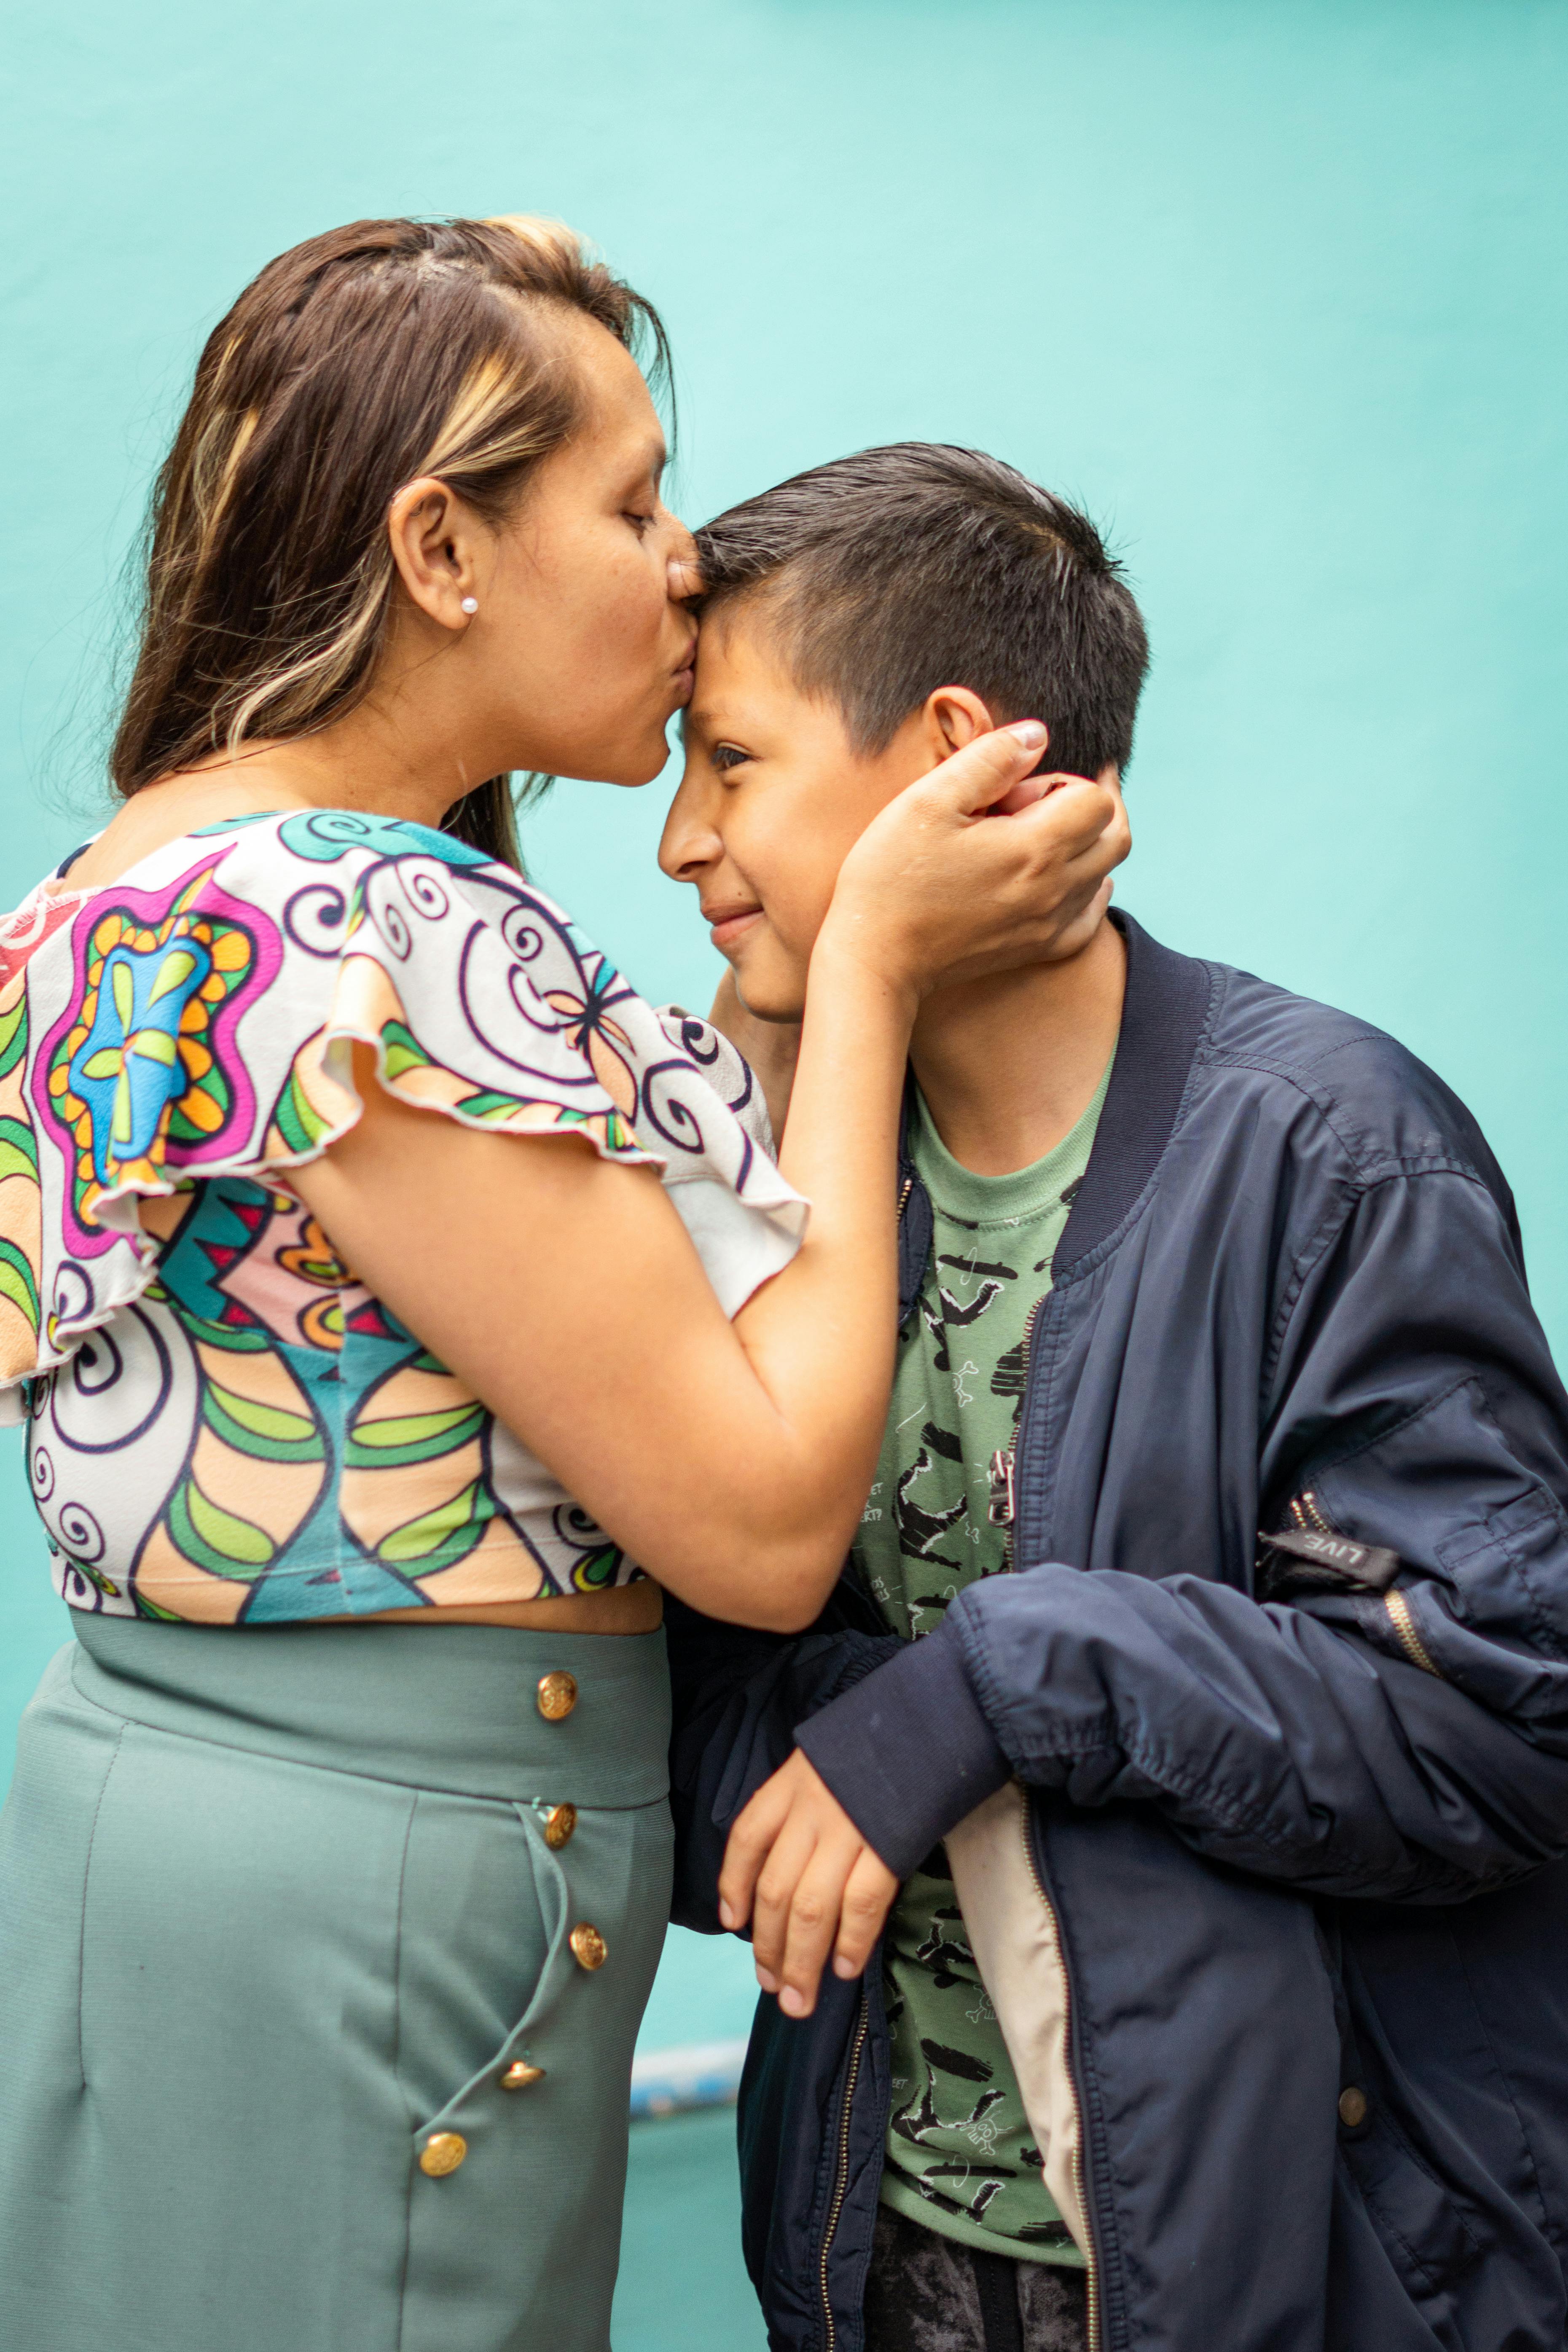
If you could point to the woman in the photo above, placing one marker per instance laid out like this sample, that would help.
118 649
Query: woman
322 1948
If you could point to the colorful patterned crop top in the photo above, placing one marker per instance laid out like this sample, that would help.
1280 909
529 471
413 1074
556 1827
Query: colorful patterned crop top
225 1426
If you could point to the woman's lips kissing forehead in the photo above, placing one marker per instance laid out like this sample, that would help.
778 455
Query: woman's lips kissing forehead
683 677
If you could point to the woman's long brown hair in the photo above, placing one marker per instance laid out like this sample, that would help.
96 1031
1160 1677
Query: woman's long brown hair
354 363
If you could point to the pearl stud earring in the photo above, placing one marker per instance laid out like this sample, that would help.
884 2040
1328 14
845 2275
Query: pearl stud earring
471 603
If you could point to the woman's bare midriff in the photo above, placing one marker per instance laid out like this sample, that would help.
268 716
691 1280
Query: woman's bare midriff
621 1608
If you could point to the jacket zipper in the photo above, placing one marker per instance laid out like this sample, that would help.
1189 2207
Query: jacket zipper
1401 1616
1403 1619
841 2182
1004 1465
1305 1512
1091 2263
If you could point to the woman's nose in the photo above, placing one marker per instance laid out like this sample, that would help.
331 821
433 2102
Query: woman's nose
682 569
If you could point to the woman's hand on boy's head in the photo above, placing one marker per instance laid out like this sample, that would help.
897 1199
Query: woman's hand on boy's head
798 1868
1036 787
931 894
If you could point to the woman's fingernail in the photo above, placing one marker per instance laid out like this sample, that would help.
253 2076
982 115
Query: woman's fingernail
768 1982
845 1969
792 2002
726 1916
1029 732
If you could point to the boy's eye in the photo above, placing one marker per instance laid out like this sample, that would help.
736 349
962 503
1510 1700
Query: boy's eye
728 755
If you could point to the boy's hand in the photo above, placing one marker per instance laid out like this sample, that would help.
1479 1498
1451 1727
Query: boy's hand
800 1870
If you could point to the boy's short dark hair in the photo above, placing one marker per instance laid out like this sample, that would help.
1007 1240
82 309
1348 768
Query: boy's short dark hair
901 569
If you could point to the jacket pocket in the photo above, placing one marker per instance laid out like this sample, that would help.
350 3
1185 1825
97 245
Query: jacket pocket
1412 2209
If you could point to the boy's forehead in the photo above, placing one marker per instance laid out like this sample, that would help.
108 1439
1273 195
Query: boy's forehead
747 687
730 636
738 659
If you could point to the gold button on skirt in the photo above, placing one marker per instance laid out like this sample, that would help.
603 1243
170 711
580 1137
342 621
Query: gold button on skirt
557 1696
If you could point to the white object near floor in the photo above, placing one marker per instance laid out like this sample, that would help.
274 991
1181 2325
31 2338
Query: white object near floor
701 2074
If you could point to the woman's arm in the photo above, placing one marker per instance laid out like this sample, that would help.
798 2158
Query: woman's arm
731 1460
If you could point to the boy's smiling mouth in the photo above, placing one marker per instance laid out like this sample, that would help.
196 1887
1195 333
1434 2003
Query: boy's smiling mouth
730 918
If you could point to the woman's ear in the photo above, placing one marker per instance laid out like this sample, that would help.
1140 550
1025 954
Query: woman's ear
952 717
434 545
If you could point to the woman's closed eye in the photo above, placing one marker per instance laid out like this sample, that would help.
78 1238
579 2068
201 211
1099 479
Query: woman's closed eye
641 523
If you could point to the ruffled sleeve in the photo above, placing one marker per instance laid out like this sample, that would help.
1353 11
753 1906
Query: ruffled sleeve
198 1020
727 1070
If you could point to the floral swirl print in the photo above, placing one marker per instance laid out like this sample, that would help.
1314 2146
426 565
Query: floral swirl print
225 1426
141 1060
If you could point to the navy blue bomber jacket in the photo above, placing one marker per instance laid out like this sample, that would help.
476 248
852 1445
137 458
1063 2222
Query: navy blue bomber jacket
1283 1664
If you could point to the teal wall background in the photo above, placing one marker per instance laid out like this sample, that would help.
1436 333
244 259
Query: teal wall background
1277 292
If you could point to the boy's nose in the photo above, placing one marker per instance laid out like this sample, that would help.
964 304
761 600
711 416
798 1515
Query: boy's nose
687 845
685 860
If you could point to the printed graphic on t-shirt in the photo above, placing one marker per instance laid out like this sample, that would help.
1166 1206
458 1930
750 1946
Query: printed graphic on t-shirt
960 2155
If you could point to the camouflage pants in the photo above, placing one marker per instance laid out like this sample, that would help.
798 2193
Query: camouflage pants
927 2294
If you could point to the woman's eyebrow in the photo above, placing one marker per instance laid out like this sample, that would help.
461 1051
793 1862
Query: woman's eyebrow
645 464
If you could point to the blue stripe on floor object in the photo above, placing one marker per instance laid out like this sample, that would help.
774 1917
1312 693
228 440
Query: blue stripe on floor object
701 2074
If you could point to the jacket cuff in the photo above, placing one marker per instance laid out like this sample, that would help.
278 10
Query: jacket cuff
907 1752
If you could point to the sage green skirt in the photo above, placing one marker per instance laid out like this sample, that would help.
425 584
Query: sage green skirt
316 2006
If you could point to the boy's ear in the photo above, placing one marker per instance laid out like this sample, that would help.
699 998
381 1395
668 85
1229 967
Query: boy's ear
952 717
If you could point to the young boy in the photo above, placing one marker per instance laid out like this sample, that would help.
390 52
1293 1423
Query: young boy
1220 1531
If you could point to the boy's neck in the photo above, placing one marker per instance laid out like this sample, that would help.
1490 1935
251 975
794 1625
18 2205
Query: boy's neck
1008 1066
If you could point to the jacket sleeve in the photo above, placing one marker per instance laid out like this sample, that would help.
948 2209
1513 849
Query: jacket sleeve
1396 1730
736 1697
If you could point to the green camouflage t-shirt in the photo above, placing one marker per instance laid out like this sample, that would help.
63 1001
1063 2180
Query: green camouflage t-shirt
960 2158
